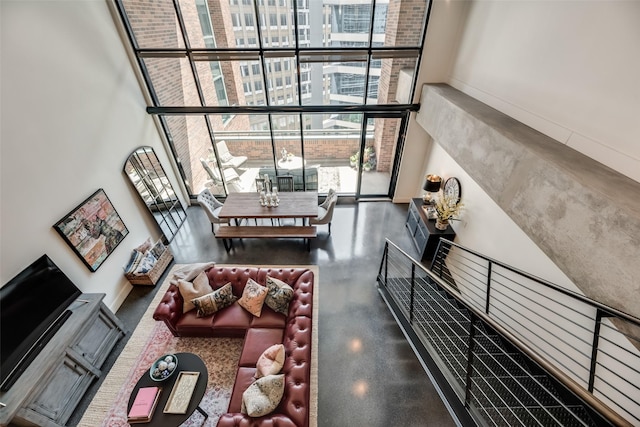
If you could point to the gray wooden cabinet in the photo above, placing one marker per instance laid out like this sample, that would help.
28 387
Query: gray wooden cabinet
49 390
423 231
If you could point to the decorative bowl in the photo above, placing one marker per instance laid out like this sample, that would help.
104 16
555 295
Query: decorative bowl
164 367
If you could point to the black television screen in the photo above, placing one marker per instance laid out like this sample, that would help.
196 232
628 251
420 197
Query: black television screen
33 305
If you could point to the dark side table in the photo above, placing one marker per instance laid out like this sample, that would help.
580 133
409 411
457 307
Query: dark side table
423 231
186 362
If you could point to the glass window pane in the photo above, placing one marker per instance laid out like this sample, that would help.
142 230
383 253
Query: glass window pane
286 136
399 23
330 142
275 26
172 80
191 141
382 136
384 77
197 21
231 79
244 150
159 29
282 80
333 82
336 24
228 25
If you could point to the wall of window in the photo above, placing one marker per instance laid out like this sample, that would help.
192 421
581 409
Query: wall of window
267 77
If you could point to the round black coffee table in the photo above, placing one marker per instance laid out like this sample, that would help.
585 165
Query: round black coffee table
186 362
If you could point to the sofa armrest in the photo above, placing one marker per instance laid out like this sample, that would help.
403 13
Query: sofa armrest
169 309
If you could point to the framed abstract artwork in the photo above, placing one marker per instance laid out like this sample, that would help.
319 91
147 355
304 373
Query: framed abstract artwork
93 229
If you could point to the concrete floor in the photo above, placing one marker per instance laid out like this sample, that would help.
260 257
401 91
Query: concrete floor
368 374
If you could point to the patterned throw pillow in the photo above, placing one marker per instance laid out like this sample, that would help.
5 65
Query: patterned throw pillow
145 246
147 263
216 300
263 396
253 297
158 249
134 262
270 361
279 296
190 290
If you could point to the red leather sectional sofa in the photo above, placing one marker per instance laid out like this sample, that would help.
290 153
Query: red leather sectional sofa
293 330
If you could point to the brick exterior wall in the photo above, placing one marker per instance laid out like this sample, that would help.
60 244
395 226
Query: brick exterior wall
315 150
403 28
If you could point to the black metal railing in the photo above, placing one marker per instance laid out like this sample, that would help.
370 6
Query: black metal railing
514 349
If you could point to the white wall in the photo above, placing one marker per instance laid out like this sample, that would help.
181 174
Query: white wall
72 111
570 69
443 32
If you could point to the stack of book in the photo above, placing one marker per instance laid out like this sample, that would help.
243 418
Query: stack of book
143 405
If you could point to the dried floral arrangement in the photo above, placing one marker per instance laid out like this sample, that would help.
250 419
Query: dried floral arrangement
447 207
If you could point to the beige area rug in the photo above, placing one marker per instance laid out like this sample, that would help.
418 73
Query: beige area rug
152 339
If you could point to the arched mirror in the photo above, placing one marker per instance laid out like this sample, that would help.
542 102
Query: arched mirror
150 181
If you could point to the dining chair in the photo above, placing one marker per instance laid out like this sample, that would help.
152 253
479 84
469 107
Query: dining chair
325 210
285 183
211 207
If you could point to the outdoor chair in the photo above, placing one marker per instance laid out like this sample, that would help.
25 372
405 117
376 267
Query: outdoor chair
211 207
325 210
285 183
227 159
230 176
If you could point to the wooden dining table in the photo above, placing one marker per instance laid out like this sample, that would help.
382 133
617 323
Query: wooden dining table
295 204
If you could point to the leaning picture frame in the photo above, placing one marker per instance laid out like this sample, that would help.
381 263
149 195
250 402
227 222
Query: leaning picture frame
93 229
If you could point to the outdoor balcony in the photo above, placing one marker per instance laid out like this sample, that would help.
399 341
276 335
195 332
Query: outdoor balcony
331 160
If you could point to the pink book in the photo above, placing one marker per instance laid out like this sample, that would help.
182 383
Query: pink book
144 403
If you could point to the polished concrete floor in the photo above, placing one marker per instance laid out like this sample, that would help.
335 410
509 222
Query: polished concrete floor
368 374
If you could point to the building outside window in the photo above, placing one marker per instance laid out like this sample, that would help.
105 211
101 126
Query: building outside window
333 72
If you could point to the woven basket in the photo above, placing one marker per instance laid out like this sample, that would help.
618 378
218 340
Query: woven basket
151 278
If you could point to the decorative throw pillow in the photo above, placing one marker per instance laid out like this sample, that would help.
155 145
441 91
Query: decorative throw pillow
190 290
214 301
270 361
158 249
147 263
145 246
263 396
253 297
134 261
279 295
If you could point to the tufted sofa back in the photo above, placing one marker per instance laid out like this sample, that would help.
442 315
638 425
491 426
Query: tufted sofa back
294 406
238 276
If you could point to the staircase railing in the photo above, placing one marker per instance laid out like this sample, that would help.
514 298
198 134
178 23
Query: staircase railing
508 348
